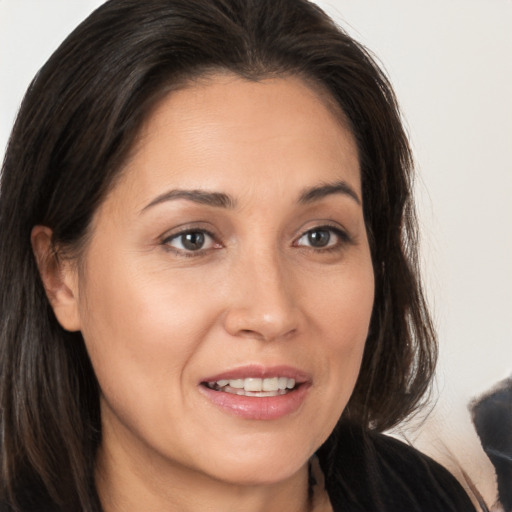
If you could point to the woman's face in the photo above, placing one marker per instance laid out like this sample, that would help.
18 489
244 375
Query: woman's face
226 291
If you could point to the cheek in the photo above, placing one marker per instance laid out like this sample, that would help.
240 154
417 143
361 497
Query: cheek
341 310
344 305
142 335
349 322
140 328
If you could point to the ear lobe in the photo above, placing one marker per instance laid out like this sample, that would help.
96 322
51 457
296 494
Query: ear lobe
59 279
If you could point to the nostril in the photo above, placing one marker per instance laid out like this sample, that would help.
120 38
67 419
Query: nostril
249 333
266 334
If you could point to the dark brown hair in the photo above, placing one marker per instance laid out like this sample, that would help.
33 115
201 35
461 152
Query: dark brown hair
75 127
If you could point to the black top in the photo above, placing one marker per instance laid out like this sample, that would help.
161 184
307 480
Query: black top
365 472
377 473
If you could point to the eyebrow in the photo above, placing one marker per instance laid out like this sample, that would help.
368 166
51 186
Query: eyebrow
222 200
216 199
312 194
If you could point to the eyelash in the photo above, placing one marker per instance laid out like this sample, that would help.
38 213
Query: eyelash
189 253
343 239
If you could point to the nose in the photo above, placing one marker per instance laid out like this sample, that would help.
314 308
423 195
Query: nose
263 302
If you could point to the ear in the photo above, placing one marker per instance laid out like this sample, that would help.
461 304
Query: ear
59 278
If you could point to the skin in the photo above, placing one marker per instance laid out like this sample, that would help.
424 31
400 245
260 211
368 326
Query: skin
158 319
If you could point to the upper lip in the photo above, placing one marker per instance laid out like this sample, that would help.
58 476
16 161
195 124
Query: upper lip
262 372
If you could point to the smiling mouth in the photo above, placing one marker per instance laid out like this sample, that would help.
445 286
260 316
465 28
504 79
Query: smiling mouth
253 386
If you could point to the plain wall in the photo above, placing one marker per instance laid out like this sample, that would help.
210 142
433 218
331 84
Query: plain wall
451 64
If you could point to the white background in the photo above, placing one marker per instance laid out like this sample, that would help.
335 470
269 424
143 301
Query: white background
451 64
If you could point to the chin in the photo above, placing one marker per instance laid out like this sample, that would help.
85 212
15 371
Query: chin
260 461
256 473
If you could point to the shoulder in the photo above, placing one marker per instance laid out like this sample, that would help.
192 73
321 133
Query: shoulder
374 472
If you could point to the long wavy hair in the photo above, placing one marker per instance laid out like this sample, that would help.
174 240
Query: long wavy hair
72 135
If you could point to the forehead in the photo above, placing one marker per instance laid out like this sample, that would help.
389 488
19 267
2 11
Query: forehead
223 131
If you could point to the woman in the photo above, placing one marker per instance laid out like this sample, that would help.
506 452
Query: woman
210 296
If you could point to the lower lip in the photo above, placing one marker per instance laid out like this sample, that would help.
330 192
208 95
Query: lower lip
258 408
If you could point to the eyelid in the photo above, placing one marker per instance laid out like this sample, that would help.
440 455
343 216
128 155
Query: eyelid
342 235
344 238
183 230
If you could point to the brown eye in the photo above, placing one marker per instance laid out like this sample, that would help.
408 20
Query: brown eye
319 237
323 237
191 241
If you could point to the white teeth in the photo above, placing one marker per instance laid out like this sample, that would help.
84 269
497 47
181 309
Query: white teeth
270 384
235 383
254 386
281 382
